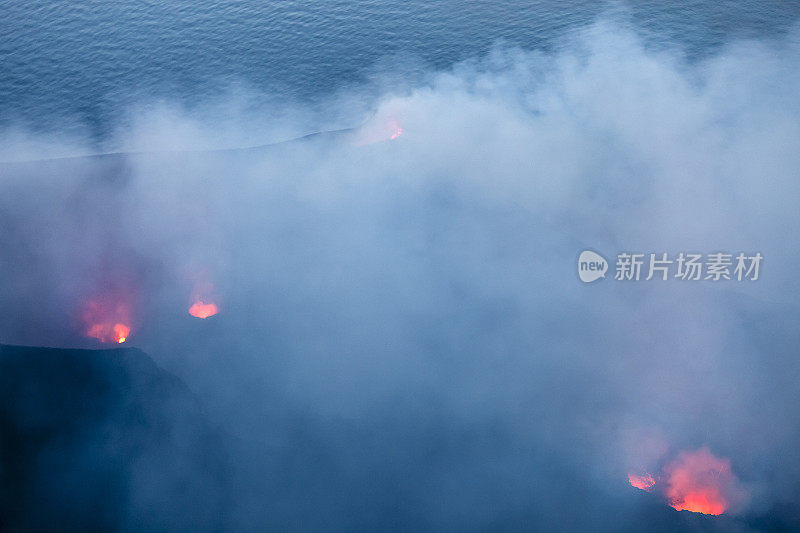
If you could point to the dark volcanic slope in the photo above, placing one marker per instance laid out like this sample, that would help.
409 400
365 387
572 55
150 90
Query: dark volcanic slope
98 439
101 440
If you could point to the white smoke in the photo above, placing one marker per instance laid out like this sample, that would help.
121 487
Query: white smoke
430 278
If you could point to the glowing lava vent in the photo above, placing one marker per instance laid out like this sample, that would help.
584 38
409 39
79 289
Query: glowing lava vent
698 481
397 131
377 131
203 299
643 482
200 309
107 321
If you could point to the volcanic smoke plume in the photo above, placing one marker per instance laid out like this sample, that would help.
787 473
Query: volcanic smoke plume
696 481
700 482
399 338
200 309
643 482
107 318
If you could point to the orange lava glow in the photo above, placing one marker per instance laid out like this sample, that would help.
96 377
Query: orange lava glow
397 132
108 332
709 502
644 482
698 481
203 310
106 321
121 331
377 131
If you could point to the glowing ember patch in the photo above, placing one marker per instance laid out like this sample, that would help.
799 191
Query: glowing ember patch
377 131
700 482
121 331
106 320
709 502
106 332
644 482
203 310
109 333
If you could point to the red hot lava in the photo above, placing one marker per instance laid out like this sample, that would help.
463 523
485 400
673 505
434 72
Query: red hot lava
107 321
377 131
696 481
397 131
644 482
203 297
699 482
203 310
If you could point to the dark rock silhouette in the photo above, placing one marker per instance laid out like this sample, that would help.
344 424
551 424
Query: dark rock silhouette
103 439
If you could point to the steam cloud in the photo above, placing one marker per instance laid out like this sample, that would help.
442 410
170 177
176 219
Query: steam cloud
401 337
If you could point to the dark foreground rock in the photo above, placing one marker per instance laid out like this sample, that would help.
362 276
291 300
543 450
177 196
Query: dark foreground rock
103 440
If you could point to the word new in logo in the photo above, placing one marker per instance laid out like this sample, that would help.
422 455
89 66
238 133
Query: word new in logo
591 266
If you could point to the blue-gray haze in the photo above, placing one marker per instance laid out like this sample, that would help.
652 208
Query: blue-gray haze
403 341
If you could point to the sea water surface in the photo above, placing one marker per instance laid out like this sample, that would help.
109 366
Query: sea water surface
84 64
